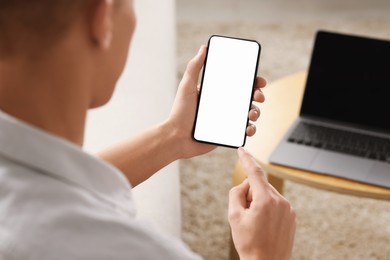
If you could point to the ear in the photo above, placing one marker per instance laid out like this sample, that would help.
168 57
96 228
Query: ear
101 23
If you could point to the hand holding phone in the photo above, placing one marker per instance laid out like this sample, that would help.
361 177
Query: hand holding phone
226 91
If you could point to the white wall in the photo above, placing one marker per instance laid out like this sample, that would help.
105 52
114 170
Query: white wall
143 97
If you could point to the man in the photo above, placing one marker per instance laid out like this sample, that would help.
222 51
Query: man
58 59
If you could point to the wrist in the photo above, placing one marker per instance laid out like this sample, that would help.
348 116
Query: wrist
248 253
252 257
258 254
173 140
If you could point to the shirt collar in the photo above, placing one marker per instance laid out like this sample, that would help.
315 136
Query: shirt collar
56 157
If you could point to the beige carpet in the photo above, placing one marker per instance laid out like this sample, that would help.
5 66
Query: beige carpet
330 226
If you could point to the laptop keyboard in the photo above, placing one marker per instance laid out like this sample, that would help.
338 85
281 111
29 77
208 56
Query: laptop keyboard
341 141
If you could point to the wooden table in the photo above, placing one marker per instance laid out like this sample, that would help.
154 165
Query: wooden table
282 105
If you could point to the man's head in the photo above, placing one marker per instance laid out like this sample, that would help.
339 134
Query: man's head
96 32
27 26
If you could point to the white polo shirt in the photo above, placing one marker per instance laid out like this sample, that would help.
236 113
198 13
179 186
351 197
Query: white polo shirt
58 202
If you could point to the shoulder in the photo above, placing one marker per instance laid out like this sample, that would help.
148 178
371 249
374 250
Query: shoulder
46 219
87 234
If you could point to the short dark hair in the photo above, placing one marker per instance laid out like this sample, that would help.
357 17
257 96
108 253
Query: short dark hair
26 23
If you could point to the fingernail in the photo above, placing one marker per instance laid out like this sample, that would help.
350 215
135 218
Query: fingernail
242 149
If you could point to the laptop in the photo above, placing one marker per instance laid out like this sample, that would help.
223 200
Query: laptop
343 128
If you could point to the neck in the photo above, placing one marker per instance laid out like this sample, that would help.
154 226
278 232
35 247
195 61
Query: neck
48 95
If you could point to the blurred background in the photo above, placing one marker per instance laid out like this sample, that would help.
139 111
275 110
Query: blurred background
330 225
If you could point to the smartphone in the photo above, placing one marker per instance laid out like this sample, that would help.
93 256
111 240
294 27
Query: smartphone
226 90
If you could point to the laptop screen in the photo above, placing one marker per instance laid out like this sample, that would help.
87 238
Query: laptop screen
348 81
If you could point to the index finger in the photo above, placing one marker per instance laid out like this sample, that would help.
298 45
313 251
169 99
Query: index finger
256 176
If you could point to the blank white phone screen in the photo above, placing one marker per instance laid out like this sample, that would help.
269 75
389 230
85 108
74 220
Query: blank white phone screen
226 91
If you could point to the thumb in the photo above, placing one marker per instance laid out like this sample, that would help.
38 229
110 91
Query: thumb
196 64
238 200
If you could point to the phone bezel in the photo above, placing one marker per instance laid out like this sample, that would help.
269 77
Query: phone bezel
201 86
